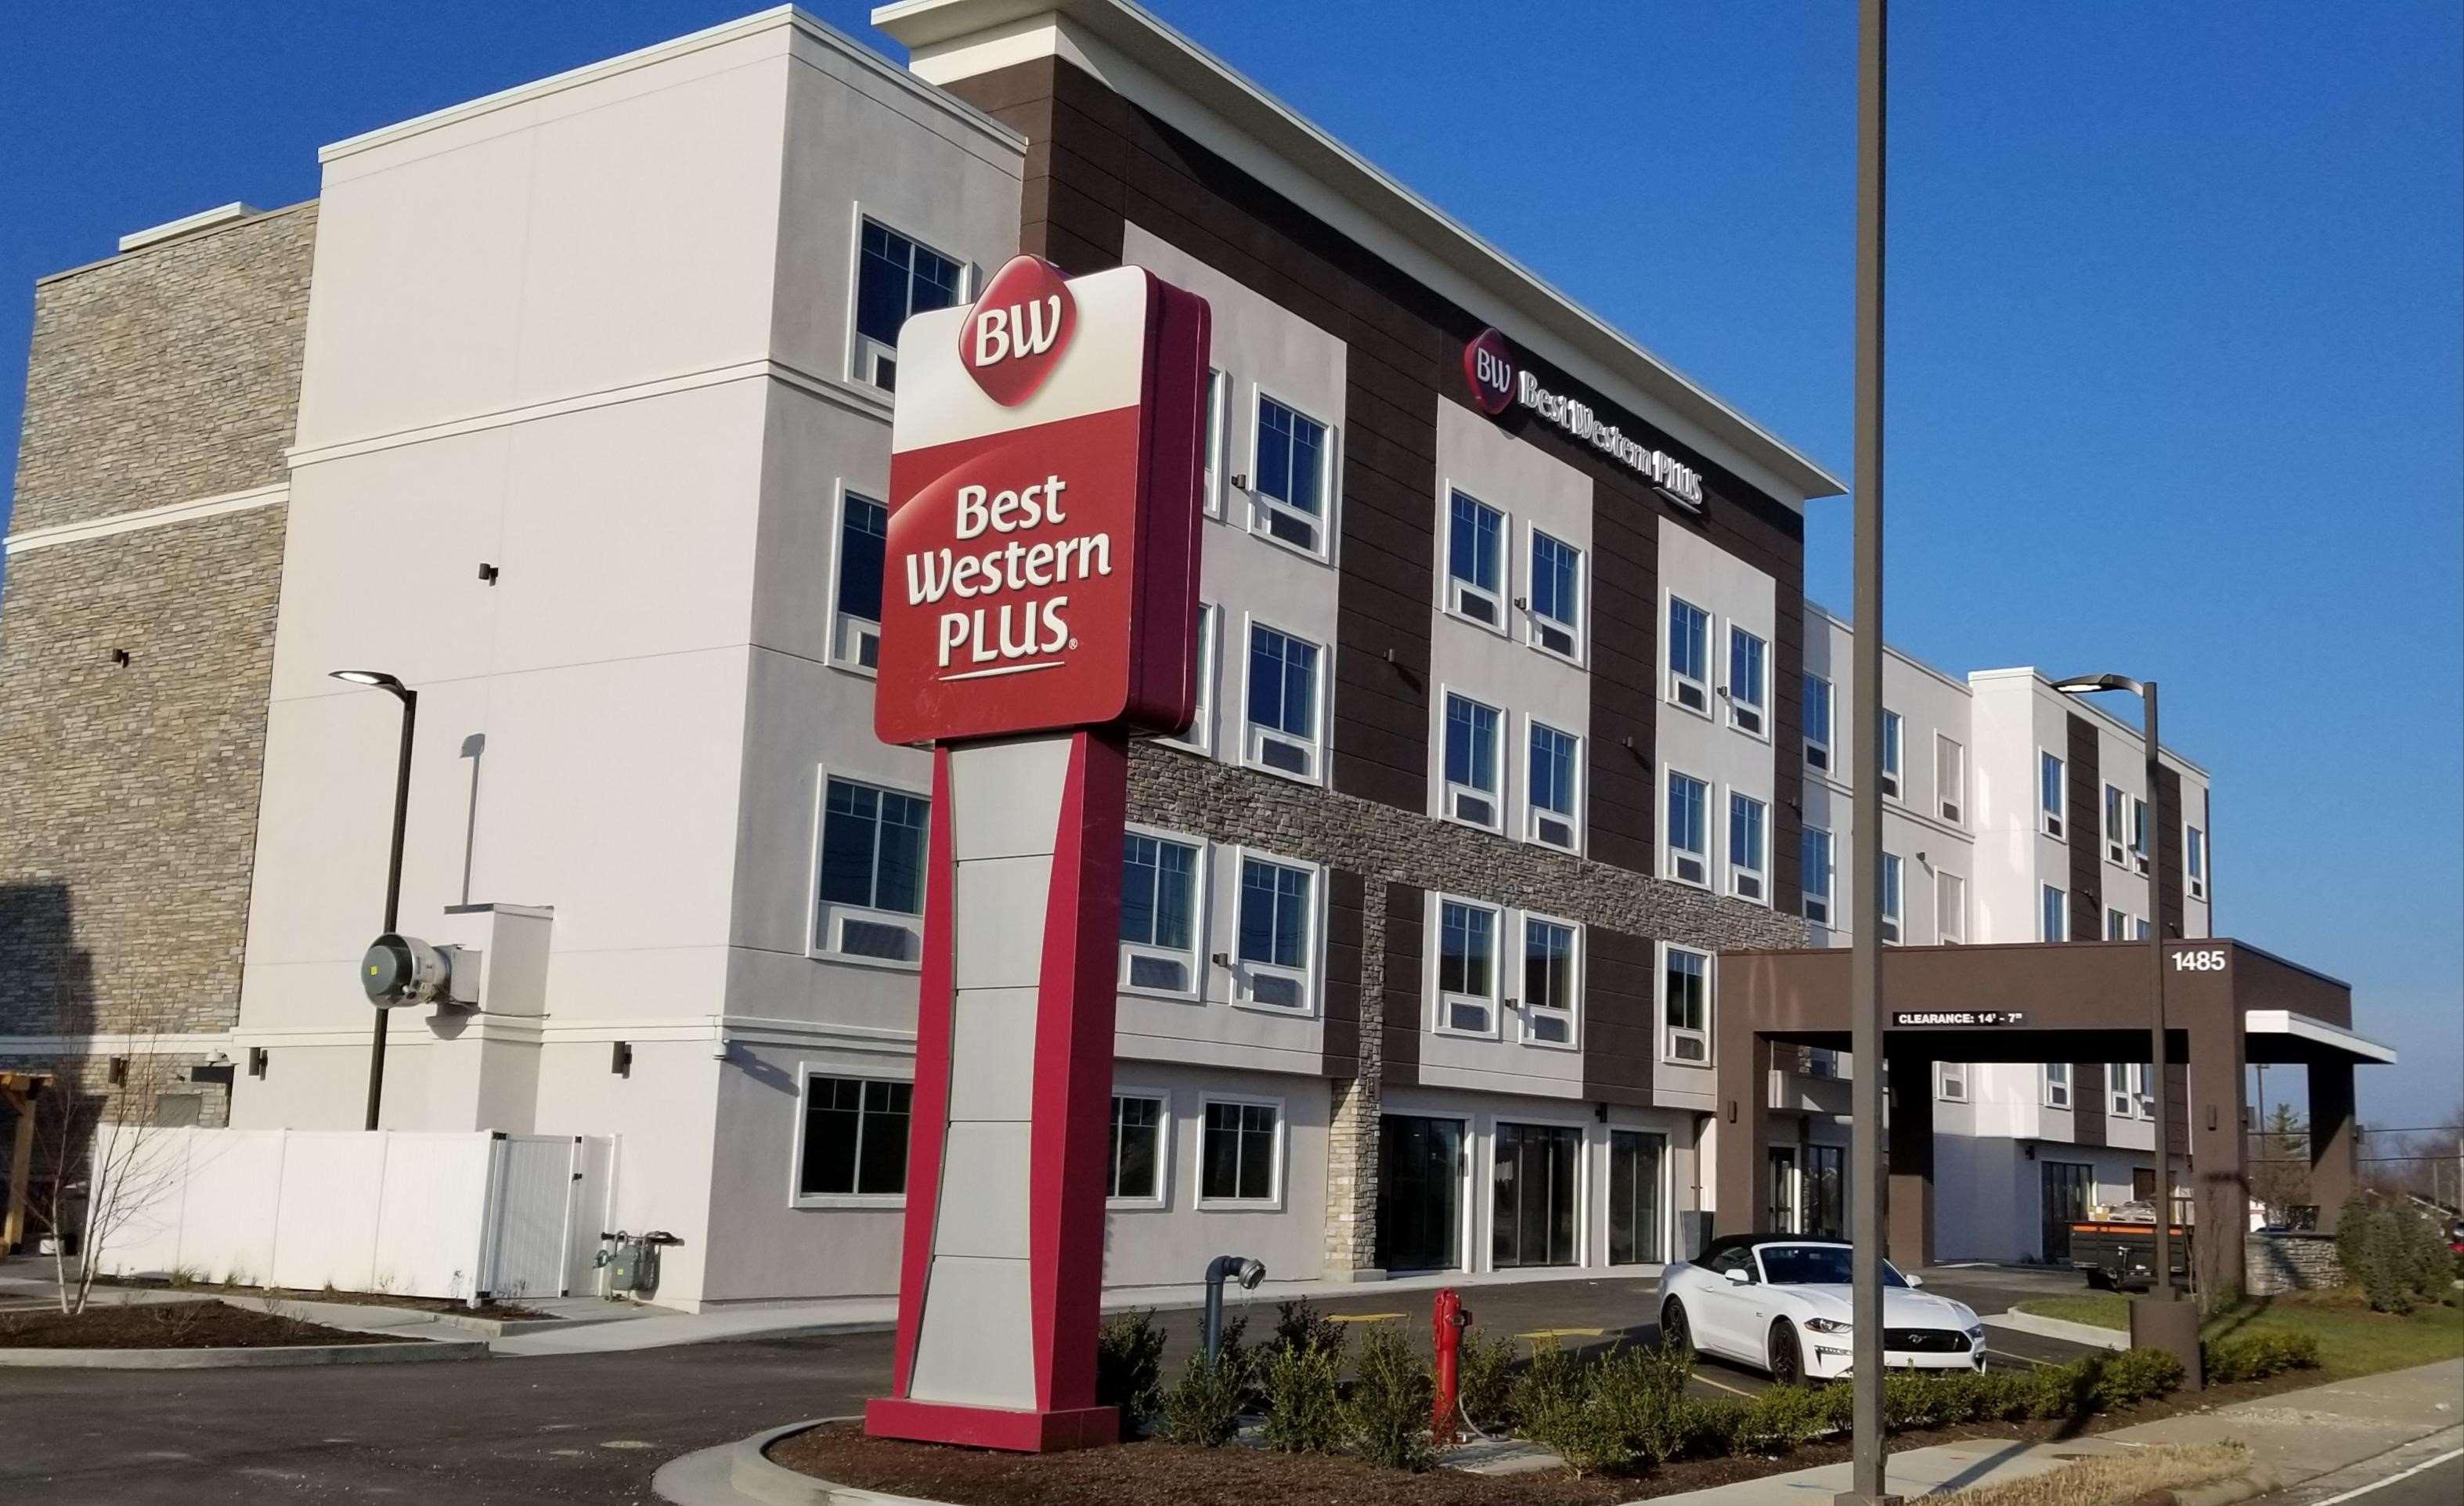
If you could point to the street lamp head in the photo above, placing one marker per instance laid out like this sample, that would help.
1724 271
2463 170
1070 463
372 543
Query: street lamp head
2090 684
378 678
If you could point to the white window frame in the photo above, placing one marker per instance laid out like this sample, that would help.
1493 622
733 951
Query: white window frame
1670 1034
1893 774
1894 905
1491 1004
1217 438
1819 752
1949 908
822 931
1262 506
2194 861
1283 1141
862 350
1200 736
1533 813
1950 1081
1533 620
2060 898
1671 680
1752 717
1749 883
1572 1013
1670 851
1828 899
1448 791
1312 944
2125 1091
1457 588
2056 1091
2054 820
1951 802
1162 1198
1200 921
2142 828
805 1072
841 625
1251 736
2115 819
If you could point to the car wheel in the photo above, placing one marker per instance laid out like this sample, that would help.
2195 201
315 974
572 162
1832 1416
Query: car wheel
1674 1331
1787 1359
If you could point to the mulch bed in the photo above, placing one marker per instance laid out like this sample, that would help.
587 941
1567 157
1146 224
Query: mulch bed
205 1324
1171 1474
286 1293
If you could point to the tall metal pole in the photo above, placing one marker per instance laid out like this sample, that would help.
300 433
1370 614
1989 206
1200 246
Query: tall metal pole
2157 1096
1870 1215
409 699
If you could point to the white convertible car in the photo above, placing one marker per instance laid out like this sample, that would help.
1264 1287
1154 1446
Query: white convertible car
1781 1304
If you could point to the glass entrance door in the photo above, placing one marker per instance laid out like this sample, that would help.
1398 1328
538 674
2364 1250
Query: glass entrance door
1420 1193
1822 1204
2068 1190
1533 1191
1779 1217
1634 1197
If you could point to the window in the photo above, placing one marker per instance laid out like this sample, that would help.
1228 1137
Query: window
1749 841
1891 741
1556 611
1291 476
1689 828
2053 797
864 536
1160 889
1813 859
1950 1080
1200 736
1283 718
2125 1090
2139 833
855 1137
1217 392
2115 843
1466 968
1821 1062
1240 1152
1278 944
1550 782
895 279
1471 762
871 879
1136 1158
2053 914
1476 562
1892 871
1748 659
1817 723
2058 1085
1550 988
2117 926
1685 1004
2137 930
2194 861
1950 908
1689 655
1949 778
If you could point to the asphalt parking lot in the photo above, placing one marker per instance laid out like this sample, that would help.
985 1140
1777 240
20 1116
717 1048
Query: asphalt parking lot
593 1427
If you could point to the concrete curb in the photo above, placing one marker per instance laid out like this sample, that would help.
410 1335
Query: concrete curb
2088 1334
2246 1486
742 1471
408 1352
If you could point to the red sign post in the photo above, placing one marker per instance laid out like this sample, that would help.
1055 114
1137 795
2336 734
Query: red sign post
1039 607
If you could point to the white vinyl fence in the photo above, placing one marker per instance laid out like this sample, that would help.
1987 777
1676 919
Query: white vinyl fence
382 1210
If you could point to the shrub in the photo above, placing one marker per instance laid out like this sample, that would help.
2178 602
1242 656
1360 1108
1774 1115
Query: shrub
1632 1394
1302 1324
1780 1419
1485 1378
1303 1412
1203 1406
2133 1376
2254 1357
2370 1244
1129 1365
1387 1415
1706 1427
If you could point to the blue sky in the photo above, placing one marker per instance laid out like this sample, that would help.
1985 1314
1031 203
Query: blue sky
2177 327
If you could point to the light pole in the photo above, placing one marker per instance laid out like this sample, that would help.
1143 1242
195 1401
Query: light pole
2170 1324
379 680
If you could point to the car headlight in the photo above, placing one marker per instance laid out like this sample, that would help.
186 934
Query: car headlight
1976 1335
1826 1325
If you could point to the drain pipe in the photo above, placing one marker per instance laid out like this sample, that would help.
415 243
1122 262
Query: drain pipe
1240 1268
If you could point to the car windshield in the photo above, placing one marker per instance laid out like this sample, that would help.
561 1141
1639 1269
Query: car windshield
1815 1265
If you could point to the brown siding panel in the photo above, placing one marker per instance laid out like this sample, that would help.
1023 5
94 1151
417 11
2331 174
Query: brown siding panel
1401 997
2085 830
1346 924
1619 1031
2087 1103
2168 817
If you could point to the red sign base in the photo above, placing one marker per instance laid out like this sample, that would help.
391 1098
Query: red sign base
991 1427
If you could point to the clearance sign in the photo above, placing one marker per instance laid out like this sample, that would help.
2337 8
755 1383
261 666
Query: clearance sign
1042 557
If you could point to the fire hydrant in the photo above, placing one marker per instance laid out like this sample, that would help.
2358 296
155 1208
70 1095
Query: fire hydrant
1448 1322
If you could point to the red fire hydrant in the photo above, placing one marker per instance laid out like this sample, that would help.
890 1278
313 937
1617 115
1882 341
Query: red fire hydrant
1447 1321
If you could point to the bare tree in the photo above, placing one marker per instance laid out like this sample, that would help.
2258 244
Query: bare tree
2279 1169
102 1154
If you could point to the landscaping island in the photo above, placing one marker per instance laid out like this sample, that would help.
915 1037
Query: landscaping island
202 1324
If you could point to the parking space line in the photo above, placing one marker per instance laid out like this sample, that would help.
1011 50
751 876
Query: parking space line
1562 1333
1733 1390
2005 1354
1362 1317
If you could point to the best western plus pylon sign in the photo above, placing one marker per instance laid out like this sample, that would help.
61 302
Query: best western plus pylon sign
1039 607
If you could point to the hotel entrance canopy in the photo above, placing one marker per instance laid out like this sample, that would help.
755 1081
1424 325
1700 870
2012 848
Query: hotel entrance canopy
2228 1005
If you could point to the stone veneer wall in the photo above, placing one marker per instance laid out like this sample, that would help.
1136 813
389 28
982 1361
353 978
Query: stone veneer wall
2273 1263
128 792
1380 844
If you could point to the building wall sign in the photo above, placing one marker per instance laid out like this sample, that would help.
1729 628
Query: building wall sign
1498 382
1959 1017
